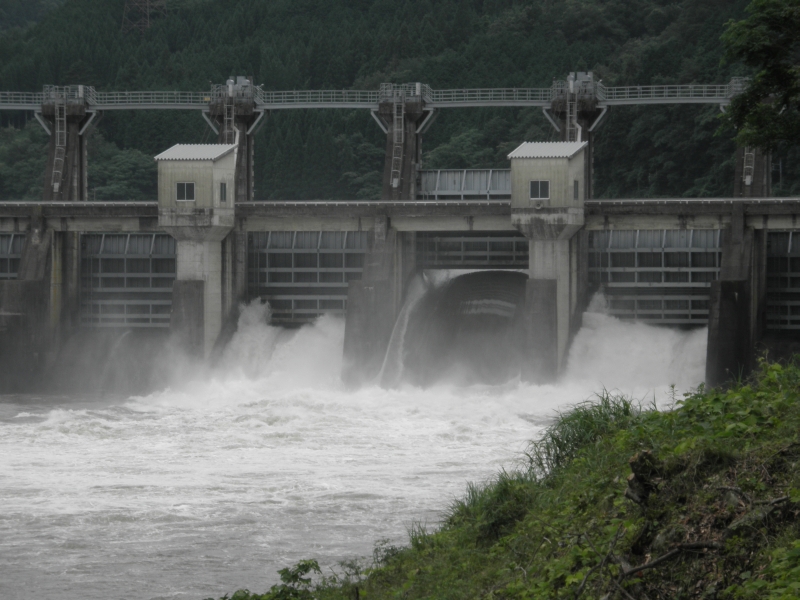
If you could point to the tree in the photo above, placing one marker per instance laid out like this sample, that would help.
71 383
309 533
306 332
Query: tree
767 113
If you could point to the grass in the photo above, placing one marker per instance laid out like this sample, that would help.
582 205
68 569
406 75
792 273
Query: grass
617 501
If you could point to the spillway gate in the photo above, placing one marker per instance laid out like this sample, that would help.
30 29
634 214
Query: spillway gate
656 276
10 254
126 279
303 274
783 281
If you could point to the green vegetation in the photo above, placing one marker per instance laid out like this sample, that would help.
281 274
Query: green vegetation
324 44
23 13
114 174
768 113
617 501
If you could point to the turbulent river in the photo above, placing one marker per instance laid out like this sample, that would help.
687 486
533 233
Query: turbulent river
230 474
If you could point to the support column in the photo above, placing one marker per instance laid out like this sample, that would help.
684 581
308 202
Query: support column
70 317
235 118
403 117
27 329
553 302
575 116
198 288
245 186
735 303
198 293
239 257
547 200
67 118
374 302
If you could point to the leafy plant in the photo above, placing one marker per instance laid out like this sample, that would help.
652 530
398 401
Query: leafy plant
295 585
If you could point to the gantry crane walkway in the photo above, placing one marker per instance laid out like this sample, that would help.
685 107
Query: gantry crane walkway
720 94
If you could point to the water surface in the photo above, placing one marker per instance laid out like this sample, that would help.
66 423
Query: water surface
233 473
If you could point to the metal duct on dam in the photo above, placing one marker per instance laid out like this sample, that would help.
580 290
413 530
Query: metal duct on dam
303 274
656 276
126 279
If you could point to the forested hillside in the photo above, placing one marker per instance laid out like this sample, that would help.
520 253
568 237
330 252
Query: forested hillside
22 13
319 44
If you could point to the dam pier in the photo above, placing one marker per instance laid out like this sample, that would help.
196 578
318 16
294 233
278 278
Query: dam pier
185 262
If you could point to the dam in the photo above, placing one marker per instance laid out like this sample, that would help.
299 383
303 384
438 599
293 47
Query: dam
221 477
731 264
184 263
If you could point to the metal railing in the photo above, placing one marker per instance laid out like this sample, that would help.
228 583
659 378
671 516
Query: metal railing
23 100
310 98
642 94
392 92
126 100
490 97
666 94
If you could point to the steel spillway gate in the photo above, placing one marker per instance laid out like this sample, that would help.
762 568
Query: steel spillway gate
303 274
10 254
472 250
783 280
656 276
126 279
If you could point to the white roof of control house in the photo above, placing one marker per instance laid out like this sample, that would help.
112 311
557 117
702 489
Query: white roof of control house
547 149
196 152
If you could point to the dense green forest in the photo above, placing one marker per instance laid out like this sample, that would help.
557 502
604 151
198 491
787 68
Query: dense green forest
23 13
338 44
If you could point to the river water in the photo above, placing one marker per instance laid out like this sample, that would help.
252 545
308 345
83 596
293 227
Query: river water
232 473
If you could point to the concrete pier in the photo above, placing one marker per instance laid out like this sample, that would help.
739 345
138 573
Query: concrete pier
374 302
548 193
736 319
196 209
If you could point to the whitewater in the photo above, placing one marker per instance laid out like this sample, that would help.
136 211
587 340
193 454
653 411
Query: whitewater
236 471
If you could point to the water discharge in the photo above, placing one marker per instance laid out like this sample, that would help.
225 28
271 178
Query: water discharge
228 475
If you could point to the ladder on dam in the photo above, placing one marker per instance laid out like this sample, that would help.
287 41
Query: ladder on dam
60 133
749 165
230 114
573 130
398 112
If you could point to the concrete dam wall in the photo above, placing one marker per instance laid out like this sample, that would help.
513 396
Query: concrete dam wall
124 282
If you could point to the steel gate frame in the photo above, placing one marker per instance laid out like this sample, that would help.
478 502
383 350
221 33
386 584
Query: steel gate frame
105 303
294 287
632 296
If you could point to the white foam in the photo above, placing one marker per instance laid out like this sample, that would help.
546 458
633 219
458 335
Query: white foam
239 470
